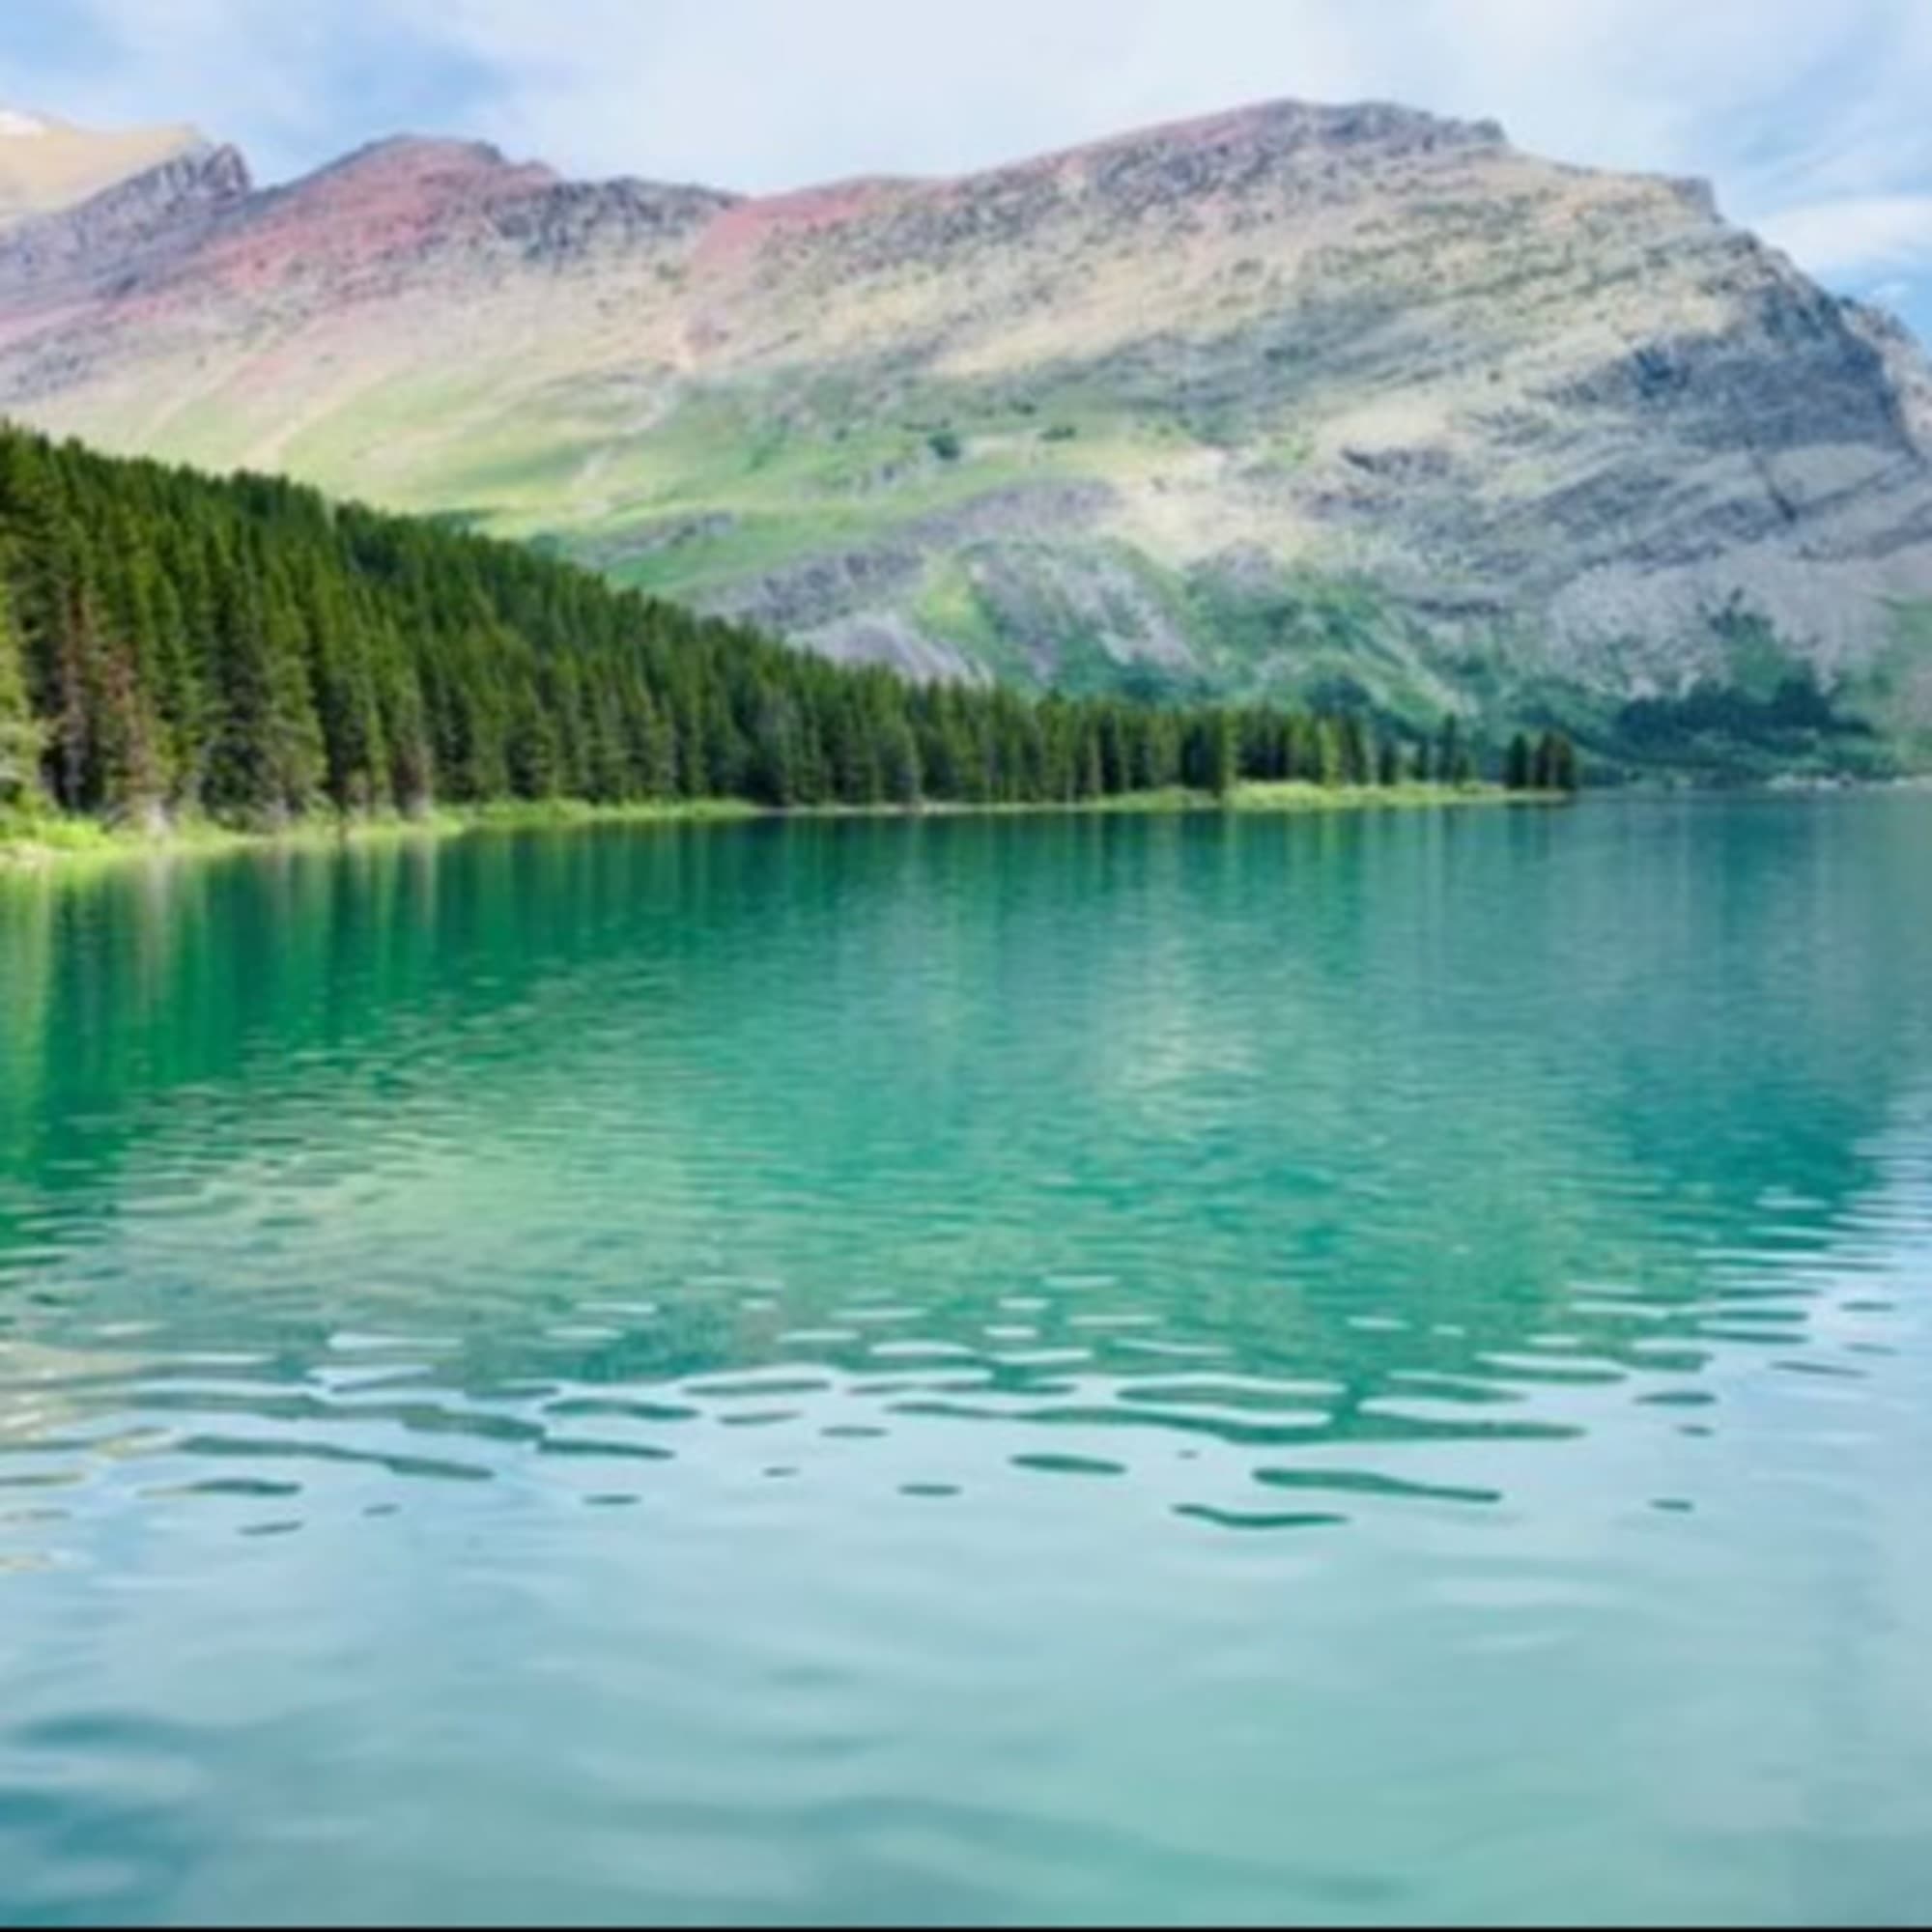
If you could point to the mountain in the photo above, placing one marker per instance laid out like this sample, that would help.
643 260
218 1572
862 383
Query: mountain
46 165
1352 402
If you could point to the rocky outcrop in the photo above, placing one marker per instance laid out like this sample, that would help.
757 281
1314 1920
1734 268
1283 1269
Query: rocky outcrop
1291 395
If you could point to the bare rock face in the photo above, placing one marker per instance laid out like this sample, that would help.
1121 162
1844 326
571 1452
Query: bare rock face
1288 396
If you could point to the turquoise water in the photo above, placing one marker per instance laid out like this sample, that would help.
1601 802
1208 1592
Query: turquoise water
1347 1369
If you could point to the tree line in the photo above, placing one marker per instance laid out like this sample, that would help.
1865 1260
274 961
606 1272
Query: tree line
178 644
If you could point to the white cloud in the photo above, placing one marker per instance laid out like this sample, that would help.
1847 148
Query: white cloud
1867 234
1796 110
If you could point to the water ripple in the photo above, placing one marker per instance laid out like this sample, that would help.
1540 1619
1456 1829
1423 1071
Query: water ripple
1366 1367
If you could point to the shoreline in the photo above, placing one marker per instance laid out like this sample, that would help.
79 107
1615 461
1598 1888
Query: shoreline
60 843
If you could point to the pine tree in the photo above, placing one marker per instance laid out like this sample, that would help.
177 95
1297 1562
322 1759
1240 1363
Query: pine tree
1208 757
1356 768
1563 774
1519 770
533 750
1327 752
654 752
898 762
19 735
775 749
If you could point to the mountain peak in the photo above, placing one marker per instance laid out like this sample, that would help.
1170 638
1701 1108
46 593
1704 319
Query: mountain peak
1282 126
46 165
429 157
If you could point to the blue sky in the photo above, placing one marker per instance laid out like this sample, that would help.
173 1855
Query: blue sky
1814 119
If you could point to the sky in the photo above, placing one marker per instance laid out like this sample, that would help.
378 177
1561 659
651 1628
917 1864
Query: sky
1813 118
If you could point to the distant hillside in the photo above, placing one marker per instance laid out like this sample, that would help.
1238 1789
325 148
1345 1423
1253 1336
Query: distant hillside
1349 404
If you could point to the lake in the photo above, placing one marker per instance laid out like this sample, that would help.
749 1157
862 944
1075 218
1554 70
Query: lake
1345 1368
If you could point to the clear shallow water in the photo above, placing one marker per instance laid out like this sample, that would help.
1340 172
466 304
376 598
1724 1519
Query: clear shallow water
1166 1370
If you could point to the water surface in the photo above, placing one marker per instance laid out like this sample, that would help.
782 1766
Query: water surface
1354 1369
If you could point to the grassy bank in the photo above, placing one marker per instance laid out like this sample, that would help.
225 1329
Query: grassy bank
44 839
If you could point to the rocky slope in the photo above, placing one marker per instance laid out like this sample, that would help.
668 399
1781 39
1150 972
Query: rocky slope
1322 398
